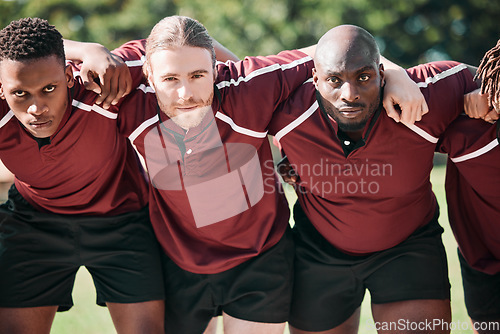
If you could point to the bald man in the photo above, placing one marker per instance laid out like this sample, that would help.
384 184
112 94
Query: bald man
366 216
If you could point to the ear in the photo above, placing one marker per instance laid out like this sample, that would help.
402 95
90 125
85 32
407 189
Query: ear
2 93
70 80
147 74
382 74
150 81
315 78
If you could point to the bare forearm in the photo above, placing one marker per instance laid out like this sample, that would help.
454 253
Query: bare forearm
309 50
222 53
76 51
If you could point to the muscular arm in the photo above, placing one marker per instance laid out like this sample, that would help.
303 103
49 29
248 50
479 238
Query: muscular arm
222 53
102 72
402 91
476 103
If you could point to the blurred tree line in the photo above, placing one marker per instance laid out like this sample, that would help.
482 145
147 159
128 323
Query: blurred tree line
408 32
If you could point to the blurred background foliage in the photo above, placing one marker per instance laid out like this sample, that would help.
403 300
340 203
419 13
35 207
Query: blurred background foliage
408 32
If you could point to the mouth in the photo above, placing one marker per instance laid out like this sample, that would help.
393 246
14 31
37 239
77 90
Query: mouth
40 124
350 112
187 108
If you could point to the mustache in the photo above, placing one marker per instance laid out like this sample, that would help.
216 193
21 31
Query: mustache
40 120
190 101
351 105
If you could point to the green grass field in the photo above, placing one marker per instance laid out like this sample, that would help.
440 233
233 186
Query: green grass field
85 317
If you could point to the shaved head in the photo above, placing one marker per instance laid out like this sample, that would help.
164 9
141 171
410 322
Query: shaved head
349 77
344 42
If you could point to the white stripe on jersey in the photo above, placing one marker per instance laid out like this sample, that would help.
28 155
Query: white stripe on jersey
239 129
299 120
6 118
422 133
129 63
135 63
263 70
477 153
146 89
133 136
95 108
442 75
433 80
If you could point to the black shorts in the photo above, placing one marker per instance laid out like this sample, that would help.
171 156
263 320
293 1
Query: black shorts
481 292
40 254
257 290
330 285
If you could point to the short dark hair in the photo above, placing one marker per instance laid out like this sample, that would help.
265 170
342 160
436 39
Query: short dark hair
31 38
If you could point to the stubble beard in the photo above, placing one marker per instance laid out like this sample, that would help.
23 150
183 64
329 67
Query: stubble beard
350 126
191 119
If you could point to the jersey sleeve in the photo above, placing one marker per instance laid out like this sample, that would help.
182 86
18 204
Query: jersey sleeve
443 85
4 110
251 89
133 54
467 138
139 106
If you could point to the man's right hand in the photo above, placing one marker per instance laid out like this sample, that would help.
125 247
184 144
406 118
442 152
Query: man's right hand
476 106
101 71
286 171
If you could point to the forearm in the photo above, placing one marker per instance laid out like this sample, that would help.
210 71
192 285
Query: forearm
309 50
222 53
401 90
101 71
76 51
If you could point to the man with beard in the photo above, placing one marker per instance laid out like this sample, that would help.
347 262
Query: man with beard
366 216
216 203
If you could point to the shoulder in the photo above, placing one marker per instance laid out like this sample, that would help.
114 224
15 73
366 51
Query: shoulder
438 70
465 135
251 67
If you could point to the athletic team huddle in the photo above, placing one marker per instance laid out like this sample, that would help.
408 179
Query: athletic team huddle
162 183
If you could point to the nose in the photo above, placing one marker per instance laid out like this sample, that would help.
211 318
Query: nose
349 92
185 91
37 108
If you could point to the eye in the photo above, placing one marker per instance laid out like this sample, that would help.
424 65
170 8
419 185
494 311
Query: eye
49 89
20 93
333 80
197 76
169 79
364 77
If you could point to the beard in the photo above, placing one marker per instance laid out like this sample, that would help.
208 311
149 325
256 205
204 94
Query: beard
351 125
189 119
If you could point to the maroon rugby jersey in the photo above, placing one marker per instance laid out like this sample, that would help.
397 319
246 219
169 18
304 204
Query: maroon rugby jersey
216 200
88 168
472 190
379 194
